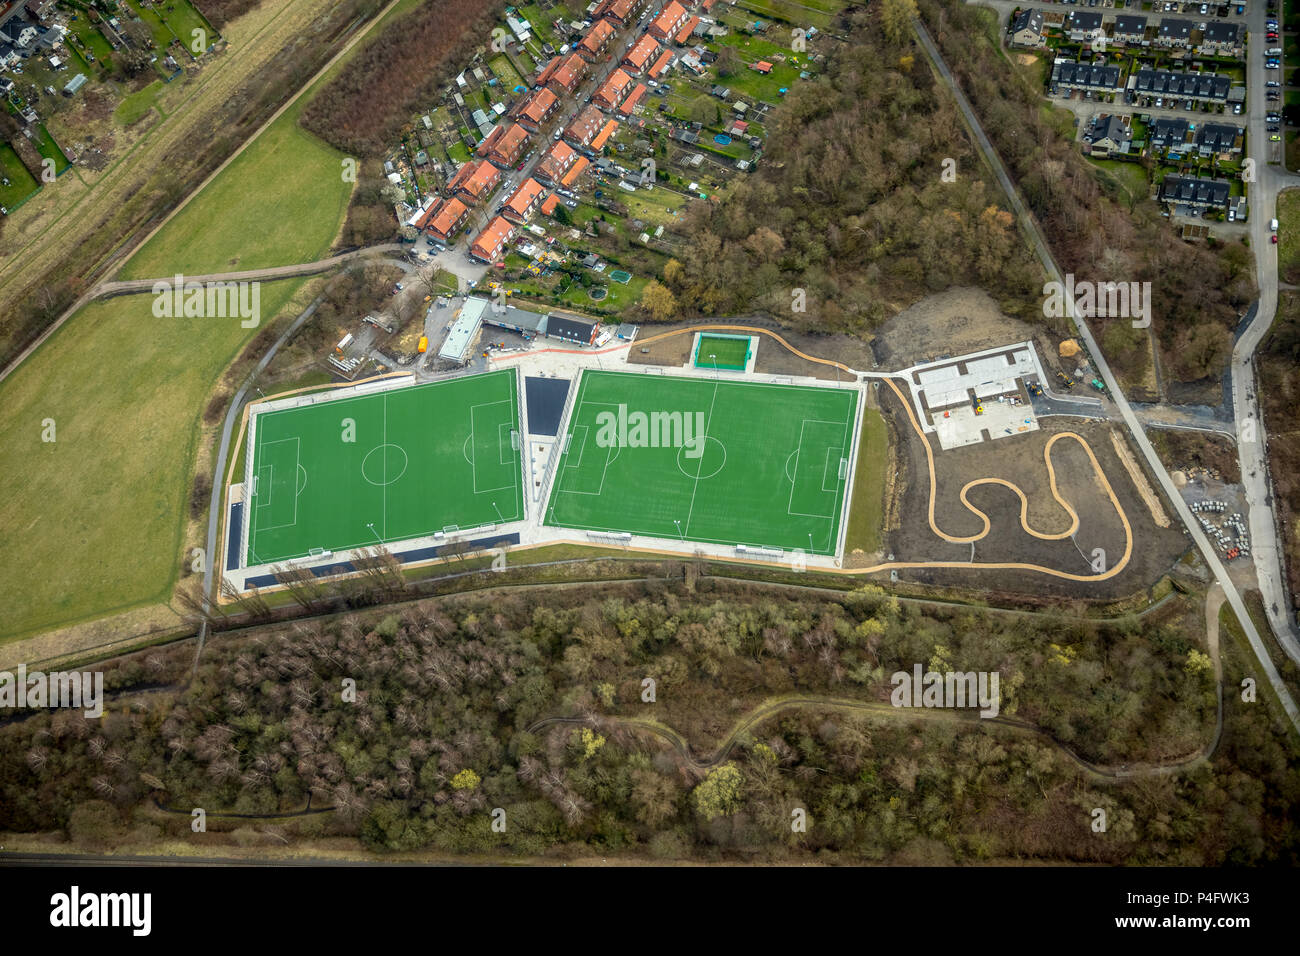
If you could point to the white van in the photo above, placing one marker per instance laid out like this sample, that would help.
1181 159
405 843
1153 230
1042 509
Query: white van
1272 225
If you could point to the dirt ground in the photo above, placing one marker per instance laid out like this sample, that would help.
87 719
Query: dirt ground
950 323
1187 450
1020 460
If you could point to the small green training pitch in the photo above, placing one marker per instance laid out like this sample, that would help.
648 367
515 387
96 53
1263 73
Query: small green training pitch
700 459
723 351
385 467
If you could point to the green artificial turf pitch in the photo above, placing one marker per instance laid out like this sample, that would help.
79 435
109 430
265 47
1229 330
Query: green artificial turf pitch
773 472
729 351
425 458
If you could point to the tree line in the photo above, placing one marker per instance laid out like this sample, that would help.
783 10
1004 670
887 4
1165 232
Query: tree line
414 727
867 197
398 71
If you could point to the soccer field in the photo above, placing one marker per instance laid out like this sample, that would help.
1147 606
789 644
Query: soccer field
771 470
385 467
723 351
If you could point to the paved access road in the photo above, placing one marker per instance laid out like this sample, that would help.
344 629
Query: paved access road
1252 438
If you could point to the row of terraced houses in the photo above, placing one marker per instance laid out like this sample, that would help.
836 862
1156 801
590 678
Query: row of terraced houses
569 157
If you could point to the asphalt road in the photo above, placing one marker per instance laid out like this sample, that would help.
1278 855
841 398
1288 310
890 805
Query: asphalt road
1252 437
1040 246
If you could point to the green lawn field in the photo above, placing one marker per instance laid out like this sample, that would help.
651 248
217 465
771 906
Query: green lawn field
723 351
279 203
91 522
385 467
769 468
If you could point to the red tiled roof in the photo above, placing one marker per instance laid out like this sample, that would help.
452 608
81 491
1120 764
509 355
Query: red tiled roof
633 99
565 71
491 240
687 29
578 169
597 37
443 217
585 125
557 159
475 178
667 23
661 64
521 201
613 90
537 106
642 53
603 136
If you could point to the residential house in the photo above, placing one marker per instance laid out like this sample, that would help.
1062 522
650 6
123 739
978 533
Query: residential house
601 138
1109 133
504 145
1175 33
642 55
474 181
18 32
687 32
1219 139
615 88
42 11
443 219
1166 133
592 47
523 202
633 100
555 162
617 12
563 75
1130 30
1085 76
580 166
9 55
1221 39
535 109
584 127
492 240
1198 87
1190 195
670 21
1027 29
662 64
1082 25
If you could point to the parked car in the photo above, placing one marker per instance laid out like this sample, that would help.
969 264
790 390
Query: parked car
1273 239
